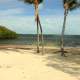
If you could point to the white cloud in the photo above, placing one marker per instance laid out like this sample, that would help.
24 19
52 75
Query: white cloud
40 6
4 1
53 24
10 12
7 4
50 24
19 24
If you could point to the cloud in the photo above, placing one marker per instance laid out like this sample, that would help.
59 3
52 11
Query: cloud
10 12
51 24
5 1
18 17
7 4
19 24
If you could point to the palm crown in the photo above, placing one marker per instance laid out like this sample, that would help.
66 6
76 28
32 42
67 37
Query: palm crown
32 1
71 4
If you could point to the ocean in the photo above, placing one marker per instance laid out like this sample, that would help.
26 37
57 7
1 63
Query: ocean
49 40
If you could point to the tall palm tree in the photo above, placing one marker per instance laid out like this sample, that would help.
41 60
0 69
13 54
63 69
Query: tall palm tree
37 19
68 6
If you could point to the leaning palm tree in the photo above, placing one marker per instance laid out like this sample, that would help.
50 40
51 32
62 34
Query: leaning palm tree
68 6
37 19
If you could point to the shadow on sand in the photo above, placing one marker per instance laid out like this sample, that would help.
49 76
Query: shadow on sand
18 50
69 64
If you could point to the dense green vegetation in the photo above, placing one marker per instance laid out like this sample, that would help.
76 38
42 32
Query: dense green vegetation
6 33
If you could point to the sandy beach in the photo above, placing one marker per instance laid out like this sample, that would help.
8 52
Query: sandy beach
23 63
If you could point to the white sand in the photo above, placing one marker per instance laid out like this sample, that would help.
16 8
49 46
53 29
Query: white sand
18 64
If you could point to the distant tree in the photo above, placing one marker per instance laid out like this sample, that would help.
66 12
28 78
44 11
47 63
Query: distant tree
5 33
69 5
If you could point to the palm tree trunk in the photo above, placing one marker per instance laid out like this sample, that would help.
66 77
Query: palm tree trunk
62 34
38 26
37 23
42 40
38 50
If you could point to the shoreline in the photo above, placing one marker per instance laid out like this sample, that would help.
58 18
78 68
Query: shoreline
46 48
25 46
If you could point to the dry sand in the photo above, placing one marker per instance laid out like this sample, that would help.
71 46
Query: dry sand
22 64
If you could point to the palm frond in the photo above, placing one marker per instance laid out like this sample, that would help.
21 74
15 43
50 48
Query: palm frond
31 1
75 7
72 4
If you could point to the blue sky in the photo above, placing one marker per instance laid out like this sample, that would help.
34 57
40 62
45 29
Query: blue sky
19 17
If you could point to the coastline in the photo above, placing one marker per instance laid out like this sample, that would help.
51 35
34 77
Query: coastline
33 46
47 49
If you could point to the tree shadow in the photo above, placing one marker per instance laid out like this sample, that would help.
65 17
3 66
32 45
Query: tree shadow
18 50
69 64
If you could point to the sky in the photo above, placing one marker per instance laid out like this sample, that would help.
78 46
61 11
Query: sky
19 17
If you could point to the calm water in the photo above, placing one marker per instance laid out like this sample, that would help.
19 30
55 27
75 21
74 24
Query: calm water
70 40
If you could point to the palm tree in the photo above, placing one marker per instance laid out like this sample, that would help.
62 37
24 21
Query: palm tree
37 19
68 6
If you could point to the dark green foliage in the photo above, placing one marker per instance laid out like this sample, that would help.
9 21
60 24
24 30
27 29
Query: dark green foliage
31 1
6 33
